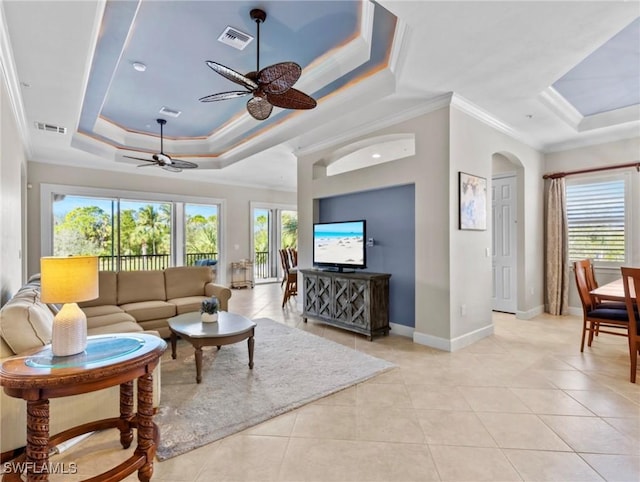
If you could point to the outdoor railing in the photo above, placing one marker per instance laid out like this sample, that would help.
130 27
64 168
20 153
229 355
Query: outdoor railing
261 264
148 261
191 258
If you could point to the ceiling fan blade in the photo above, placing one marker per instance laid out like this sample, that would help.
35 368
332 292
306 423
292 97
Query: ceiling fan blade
259 108
278 78
171 169
148 165
179 163
292 99
232 75
139 158
224 96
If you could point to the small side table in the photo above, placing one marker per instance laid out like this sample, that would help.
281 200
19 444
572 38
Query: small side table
109 360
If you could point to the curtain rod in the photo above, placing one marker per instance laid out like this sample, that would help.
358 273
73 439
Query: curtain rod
557 175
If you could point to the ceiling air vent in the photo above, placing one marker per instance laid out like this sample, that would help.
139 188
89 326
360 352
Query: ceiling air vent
50 128
170 112
235 38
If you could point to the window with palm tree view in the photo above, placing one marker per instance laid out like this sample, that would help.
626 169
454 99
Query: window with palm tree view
133 234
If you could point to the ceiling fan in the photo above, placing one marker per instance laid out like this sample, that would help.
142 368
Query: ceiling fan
269 86
163 160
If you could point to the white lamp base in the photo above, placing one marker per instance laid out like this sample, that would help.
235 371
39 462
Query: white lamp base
69 335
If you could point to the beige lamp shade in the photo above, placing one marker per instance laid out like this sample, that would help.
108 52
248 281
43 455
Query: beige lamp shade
69 279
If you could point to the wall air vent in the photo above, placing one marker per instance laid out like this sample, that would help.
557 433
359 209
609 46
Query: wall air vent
170 112
235 38
50 128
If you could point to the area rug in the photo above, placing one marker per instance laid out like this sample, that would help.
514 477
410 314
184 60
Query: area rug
291 368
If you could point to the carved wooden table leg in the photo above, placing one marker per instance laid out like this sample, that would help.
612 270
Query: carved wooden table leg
146 428
250 344
198 364
37 440
126 414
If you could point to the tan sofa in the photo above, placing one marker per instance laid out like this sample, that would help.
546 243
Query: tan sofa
128 302
149 298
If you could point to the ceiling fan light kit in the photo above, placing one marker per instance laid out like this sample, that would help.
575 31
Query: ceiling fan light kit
271 86
163 160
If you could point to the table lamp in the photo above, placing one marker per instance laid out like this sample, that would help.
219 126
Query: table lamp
69 280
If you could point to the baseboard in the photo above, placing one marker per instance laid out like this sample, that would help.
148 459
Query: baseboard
572 310
471 337
455 343
527 315
432 341
402 330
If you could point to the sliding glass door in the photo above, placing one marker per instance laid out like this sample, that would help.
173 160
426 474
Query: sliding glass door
274 227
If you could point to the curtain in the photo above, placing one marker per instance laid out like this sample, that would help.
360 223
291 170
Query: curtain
556 259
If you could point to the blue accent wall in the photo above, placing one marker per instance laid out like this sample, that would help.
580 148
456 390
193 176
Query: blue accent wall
390 215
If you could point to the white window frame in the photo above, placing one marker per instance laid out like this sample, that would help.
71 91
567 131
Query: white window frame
628 214
46 217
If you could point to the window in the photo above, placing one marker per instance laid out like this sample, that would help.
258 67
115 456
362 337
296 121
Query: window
142 231
596 219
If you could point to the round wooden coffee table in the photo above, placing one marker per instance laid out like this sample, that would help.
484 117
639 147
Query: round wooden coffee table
230 328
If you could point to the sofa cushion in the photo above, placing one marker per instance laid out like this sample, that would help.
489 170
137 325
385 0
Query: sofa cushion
186 281
108 293
92 311
188 303
149 310
109 319
159 326
25 322
134 286
122 327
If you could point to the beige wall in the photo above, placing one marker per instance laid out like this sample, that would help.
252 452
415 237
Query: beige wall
12 168
473 146
452 268
237 201
607 154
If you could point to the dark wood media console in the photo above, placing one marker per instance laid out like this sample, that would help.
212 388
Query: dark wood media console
357 302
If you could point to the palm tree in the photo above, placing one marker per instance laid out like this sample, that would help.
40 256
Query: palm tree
153 226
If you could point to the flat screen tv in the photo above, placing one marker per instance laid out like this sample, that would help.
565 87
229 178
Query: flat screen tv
340 245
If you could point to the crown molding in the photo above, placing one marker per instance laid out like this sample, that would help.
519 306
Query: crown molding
561 107
12 82
476 112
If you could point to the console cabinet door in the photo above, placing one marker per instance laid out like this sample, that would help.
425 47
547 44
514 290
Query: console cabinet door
352 302
324 297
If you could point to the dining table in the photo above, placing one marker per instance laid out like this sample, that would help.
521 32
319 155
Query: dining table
613 291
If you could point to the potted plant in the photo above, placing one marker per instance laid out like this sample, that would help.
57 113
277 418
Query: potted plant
209 310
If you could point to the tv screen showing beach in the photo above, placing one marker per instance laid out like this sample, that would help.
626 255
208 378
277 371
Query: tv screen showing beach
336 244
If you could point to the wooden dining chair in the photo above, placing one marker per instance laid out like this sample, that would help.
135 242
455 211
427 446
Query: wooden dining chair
592 283
631 282
291 287
597 317
285 263
293 256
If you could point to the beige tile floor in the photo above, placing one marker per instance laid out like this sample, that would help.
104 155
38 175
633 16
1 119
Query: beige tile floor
523 404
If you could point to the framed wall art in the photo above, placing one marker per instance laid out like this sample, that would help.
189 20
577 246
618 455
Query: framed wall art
472 202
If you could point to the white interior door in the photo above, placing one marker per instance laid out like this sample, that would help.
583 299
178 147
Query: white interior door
504 244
